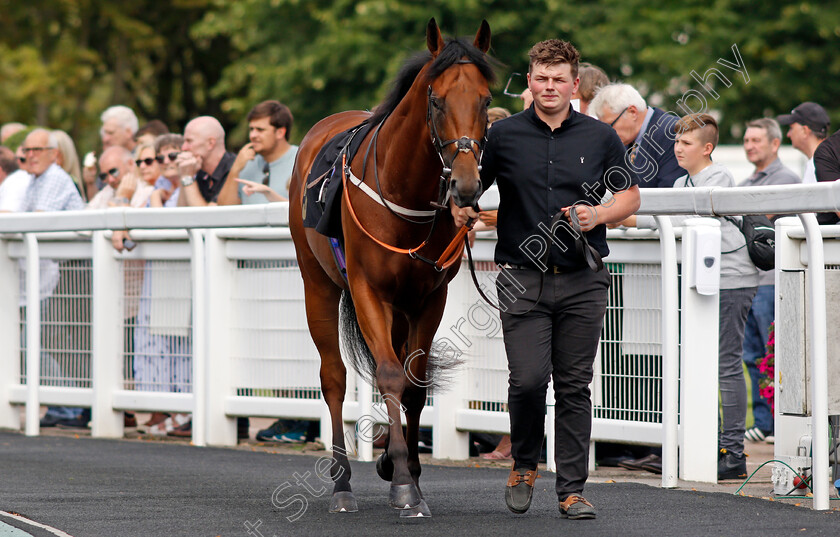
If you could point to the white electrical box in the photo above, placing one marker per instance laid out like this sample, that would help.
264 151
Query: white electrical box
705 274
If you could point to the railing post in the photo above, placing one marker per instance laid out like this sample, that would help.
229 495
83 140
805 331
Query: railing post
10 336
819 360
699 360
447 441
199 337
33 335
106 338
670 352
221 429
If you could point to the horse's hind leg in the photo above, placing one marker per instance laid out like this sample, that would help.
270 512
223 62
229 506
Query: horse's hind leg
322 317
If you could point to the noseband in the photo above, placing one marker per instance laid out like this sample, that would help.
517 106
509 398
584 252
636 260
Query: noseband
464 144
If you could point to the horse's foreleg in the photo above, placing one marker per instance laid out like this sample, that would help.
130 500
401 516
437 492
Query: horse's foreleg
376 321
421 334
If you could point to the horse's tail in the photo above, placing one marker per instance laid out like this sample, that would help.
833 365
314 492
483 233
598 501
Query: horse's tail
353 342
440 362
440 366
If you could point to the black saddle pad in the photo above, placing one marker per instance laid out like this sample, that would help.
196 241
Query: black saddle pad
322 194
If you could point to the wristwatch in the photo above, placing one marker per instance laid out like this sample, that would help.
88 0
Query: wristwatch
187 180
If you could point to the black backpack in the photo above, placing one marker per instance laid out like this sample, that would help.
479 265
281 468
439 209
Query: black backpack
760 237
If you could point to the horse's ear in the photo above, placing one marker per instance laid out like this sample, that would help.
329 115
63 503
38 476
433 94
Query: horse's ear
433 38
482 37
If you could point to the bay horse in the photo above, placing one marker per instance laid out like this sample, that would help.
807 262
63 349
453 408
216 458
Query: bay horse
426 149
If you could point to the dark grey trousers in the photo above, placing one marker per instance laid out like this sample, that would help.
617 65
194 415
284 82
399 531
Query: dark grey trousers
734 308
558 339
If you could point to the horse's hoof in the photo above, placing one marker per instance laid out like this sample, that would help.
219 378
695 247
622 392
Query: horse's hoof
404 496
385 467
421 511
343 502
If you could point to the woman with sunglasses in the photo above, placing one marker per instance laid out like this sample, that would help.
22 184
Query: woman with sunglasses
162 347
136 188
168 186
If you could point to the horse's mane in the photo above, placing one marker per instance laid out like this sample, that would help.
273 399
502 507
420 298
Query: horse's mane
454 50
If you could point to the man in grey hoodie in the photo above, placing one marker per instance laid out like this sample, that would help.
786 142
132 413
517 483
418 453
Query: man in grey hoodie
697 136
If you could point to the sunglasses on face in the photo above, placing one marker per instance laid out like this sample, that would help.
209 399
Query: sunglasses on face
172 157
266 174
147 161
113 172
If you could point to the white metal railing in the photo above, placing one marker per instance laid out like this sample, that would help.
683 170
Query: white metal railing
211 251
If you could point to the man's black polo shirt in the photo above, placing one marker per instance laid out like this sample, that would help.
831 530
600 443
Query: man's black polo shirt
211 184
540 171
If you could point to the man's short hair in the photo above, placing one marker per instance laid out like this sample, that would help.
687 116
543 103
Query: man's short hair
553 52
278 113
8 160
168 140
769 125
121 152
10 128
123 115
617 97
592 78
52 138
705 124
154 127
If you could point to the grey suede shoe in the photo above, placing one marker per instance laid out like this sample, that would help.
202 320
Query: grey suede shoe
520 489
577 507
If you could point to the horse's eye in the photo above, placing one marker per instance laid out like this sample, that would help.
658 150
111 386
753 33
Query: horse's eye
487 103
436 103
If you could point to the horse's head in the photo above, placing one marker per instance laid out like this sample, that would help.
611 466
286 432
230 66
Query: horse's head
458 98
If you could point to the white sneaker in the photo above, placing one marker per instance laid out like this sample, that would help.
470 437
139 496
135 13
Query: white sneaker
755 435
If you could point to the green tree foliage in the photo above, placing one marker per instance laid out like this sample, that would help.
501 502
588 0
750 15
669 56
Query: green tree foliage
63 61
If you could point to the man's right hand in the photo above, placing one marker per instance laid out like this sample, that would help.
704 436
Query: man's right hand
462 214
188 164
245 154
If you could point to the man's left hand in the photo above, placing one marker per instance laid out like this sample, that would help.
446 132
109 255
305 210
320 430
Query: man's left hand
587 215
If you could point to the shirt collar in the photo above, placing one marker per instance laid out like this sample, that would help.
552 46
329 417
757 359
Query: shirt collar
571 119
47 171
771 168
645 124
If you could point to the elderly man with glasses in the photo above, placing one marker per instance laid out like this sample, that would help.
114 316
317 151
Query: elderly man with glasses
51 189
647 132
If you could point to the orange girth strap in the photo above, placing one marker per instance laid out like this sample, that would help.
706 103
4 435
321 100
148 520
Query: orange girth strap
450 255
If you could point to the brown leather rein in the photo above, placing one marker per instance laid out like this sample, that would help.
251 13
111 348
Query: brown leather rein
450 255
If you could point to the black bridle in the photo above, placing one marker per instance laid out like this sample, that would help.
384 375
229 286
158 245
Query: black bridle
464 144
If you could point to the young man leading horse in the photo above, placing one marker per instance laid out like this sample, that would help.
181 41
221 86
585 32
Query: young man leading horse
554 167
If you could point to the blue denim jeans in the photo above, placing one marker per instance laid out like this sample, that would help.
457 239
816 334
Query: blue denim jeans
759 319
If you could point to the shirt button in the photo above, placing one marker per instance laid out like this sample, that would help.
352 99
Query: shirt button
551 162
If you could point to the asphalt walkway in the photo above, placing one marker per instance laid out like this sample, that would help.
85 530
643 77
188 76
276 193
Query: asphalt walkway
92 487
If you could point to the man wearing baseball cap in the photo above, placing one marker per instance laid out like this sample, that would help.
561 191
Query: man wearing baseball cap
808 128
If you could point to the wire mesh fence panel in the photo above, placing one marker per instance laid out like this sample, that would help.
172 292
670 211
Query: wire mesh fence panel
65 302
272 353
479 336
157 325
628 369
